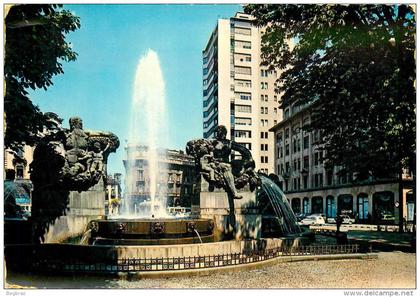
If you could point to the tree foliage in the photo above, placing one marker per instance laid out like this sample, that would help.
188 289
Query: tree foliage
34 51
357 62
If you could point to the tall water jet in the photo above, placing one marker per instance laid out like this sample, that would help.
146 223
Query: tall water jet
148 126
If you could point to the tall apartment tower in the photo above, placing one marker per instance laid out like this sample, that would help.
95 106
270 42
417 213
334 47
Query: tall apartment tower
238 92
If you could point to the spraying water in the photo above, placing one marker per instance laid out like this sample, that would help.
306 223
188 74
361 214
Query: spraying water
148 126
281 207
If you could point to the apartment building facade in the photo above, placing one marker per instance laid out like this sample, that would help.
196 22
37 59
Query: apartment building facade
175 176
311 188
238 92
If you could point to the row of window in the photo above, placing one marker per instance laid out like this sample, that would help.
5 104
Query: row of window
317 180
242 31
242 58
242 70
264 98
243 121
382 203
264 135
240 44
264 86
264 147
242 134
266 73
264 159
243 83
243 108
243 96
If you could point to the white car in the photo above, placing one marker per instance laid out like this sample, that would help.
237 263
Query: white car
313 220
347 219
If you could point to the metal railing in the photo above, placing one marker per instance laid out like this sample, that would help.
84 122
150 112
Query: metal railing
186 263
322 250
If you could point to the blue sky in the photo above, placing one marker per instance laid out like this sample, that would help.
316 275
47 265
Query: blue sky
98 86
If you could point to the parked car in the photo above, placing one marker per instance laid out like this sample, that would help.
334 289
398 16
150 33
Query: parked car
347 219
331 220
313 220
387 217
300 216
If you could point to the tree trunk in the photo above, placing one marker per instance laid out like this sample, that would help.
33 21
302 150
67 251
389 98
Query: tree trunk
400 201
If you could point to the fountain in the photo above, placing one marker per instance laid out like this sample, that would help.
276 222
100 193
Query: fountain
148 125
237 216
148 222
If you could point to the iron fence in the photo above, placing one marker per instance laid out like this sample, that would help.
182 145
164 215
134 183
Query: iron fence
186 263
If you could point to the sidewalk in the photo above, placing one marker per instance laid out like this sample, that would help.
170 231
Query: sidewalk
383 241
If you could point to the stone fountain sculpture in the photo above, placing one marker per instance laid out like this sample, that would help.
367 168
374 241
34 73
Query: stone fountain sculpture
65 160
219 176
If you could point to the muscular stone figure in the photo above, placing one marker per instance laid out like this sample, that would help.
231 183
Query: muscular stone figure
76 147
221 153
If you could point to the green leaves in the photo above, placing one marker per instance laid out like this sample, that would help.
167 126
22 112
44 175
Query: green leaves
358 62
35 45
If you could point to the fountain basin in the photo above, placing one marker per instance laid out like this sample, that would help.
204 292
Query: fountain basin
165 231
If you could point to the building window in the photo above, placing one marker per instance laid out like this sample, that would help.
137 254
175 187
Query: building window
264 86
306 142
329 177
243 83
383 204
243 121
242 44
243 108
19 171
331 208
317 206
264 73
286 113
242 31
306 205
287 150
243 70
243 96
296 205
362 206
287 167
286 133
306 162
345 204
242 134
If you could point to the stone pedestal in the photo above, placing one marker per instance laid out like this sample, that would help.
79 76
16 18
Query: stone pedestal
213 204
83 208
